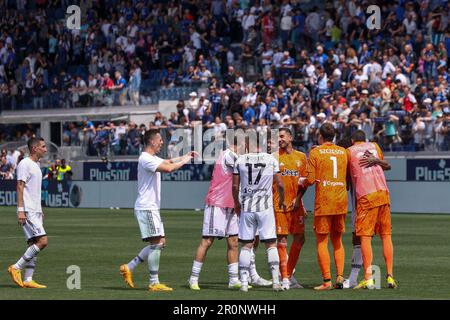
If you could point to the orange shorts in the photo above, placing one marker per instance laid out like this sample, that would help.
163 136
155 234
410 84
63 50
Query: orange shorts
292 222
373 221
329 223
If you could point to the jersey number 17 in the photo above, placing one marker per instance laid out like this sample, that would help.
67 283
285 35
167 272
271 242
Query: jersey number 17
250 167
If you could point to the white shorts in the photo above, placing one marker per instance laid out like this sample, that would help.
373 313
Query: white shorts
251 223
220 222
34 225
150 223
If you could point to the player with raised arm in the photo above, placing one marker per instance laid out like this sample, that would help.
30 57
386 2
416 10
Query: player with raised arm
220 220
292 166
327 169
30 214
147 206
254 173
373 215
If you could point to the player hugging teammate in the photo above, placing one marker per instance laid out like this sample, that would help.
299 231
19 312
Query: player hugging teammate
334 170
266 204
257 196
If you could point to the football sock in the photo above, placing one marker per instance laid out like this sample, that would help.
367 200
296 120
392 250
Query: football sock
366 250
388 252
233 272
29 254
196 269
154 255
29 269
244 264
356 264
141 257
294 252
339 253
323 256
281 247
253 273
274 264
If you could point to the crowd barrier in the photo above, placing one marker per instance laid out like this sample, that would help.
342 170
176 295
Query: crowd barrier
417 185
406 196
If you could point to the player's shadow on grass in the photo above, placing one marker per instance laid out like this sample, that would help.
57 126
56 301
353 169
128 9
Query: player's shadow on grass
9 286
213 285
125 289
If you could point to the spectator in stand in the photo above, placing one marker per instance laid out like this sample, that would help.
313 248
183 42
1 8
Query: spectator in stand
120 87
6 169
108 86
134 84
170 77
101 140
52 171
133 139
64 171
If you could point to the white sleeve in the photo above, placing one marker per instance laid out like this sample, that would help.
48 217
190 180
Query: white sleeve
276 165
23 172
230 159
151 163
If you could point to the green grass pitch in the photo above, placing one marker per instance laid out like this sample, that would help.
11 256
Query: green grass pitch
98 241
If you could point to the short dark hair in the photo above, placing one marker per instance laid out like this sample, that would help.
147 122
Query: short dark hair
285 129
149 135
344 143
33 142
359 135
252 139
327 132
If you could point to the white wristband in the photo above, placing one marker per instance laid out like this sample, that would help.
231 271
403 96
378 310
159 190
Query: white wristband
20 209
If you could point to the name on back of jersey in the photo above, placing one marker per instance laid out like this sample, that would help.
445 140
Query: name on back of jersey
331 151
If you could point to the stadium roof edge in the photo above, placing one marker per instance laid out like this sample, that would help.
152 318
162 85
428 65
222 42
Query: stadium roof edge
78 114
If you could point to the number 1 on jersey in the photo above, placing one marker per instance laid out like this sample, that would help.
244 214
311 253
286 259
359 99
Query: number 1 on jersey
334 159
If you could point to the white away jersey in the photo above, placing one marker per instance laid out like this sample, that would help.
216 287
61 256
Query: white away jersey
256 171
149 183
30 172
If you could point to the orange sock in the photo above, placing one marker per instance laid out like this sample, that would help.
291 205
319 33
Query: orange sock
294 252
282 252
339 252
323 256
366 251
388 252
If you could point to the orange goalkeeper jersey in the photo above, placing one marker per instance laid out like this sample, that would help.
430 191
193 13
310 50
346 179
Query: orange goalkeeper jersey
327 168
292 166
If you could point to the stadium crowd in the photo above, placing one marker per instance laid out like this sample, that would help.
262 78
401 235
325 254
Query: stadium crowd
258 63
58 169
